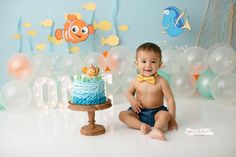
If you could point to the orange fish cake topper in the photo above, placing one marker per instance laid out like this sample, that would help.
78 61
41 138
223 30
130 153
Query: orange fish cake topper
91 71
74 30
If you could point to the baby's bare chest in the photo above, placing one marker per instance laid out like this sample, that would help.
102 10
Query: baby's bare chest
147 88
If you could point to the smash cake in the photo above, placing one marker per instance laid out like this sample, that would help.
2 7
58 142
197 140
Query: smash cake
88 94
89 87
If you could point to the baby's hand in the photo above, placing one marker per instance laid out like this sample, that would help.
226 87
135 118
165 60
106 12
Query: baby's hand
137 106
172 124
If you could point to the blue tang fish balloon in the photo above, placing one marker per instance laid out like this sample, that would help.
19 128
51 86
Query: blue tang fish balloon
173 22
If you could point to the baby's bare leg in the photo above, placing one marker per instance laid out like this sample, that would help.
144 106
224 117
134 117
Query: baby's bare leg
161 122
131 119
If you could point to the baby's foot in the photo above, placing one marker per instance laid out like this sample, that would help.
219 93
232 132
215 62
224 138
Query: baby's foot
157 134
144 128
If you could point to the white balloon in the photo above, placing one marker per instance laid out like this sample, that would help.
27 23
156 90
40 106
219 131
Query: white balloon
223 88
222 60
55 60
171 60
71 64
234 71
113 84
183 84
126 80
42 64
217 45
16 95
119 59
96 59
195 60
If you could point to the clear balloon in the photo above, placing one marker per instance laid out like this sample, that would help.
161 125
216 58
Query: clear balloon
55 60
223 88
234 71
171 60
195 60
217 45
222 60
113 84
96 59
119 59
19 67
71 64
16 95
183 84
42 64
182 49
126 80
163 44
204 82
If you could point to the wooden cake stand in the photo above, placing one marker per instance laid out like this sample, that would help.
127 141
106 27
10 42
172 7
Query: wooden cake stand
91 129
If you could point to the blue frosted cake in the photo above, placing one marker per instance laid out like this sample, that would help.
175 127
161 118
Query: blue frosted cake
88 89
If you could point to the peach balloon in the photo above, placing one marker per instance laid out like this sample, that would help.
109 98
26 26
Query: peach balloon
19 67
105 54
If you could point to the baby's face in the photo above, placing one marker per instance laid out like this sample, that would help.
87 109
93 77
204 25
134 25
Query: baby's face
148 63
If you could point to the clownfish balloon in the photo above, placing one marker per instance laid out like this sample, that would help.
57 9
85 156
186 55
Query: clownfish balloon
74 30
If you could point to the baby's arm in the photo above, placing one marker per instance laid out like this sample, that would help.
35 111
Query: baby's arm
170 102
135 104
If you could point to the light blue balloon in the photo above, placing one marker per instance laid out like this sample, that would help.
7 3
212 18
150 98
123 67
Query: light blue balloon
164 74
1 103
204 82
1 107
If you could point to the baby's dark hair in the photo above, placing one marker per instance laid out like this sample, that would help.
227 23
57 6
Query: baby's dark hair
149 47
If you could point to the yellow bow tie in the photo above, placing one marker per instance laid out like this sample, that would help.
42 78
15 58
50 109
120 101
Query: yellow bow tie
150 79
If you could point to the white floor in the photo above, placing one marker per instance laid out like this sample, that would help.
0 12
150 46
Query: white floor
57 133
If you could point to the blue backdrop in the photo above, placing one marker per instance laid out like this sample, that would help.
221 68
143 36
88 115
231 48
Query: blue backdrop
143 17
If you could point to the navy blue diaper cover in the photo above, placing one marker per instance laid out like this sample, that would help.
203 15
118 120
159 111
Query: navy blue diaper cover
147 115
